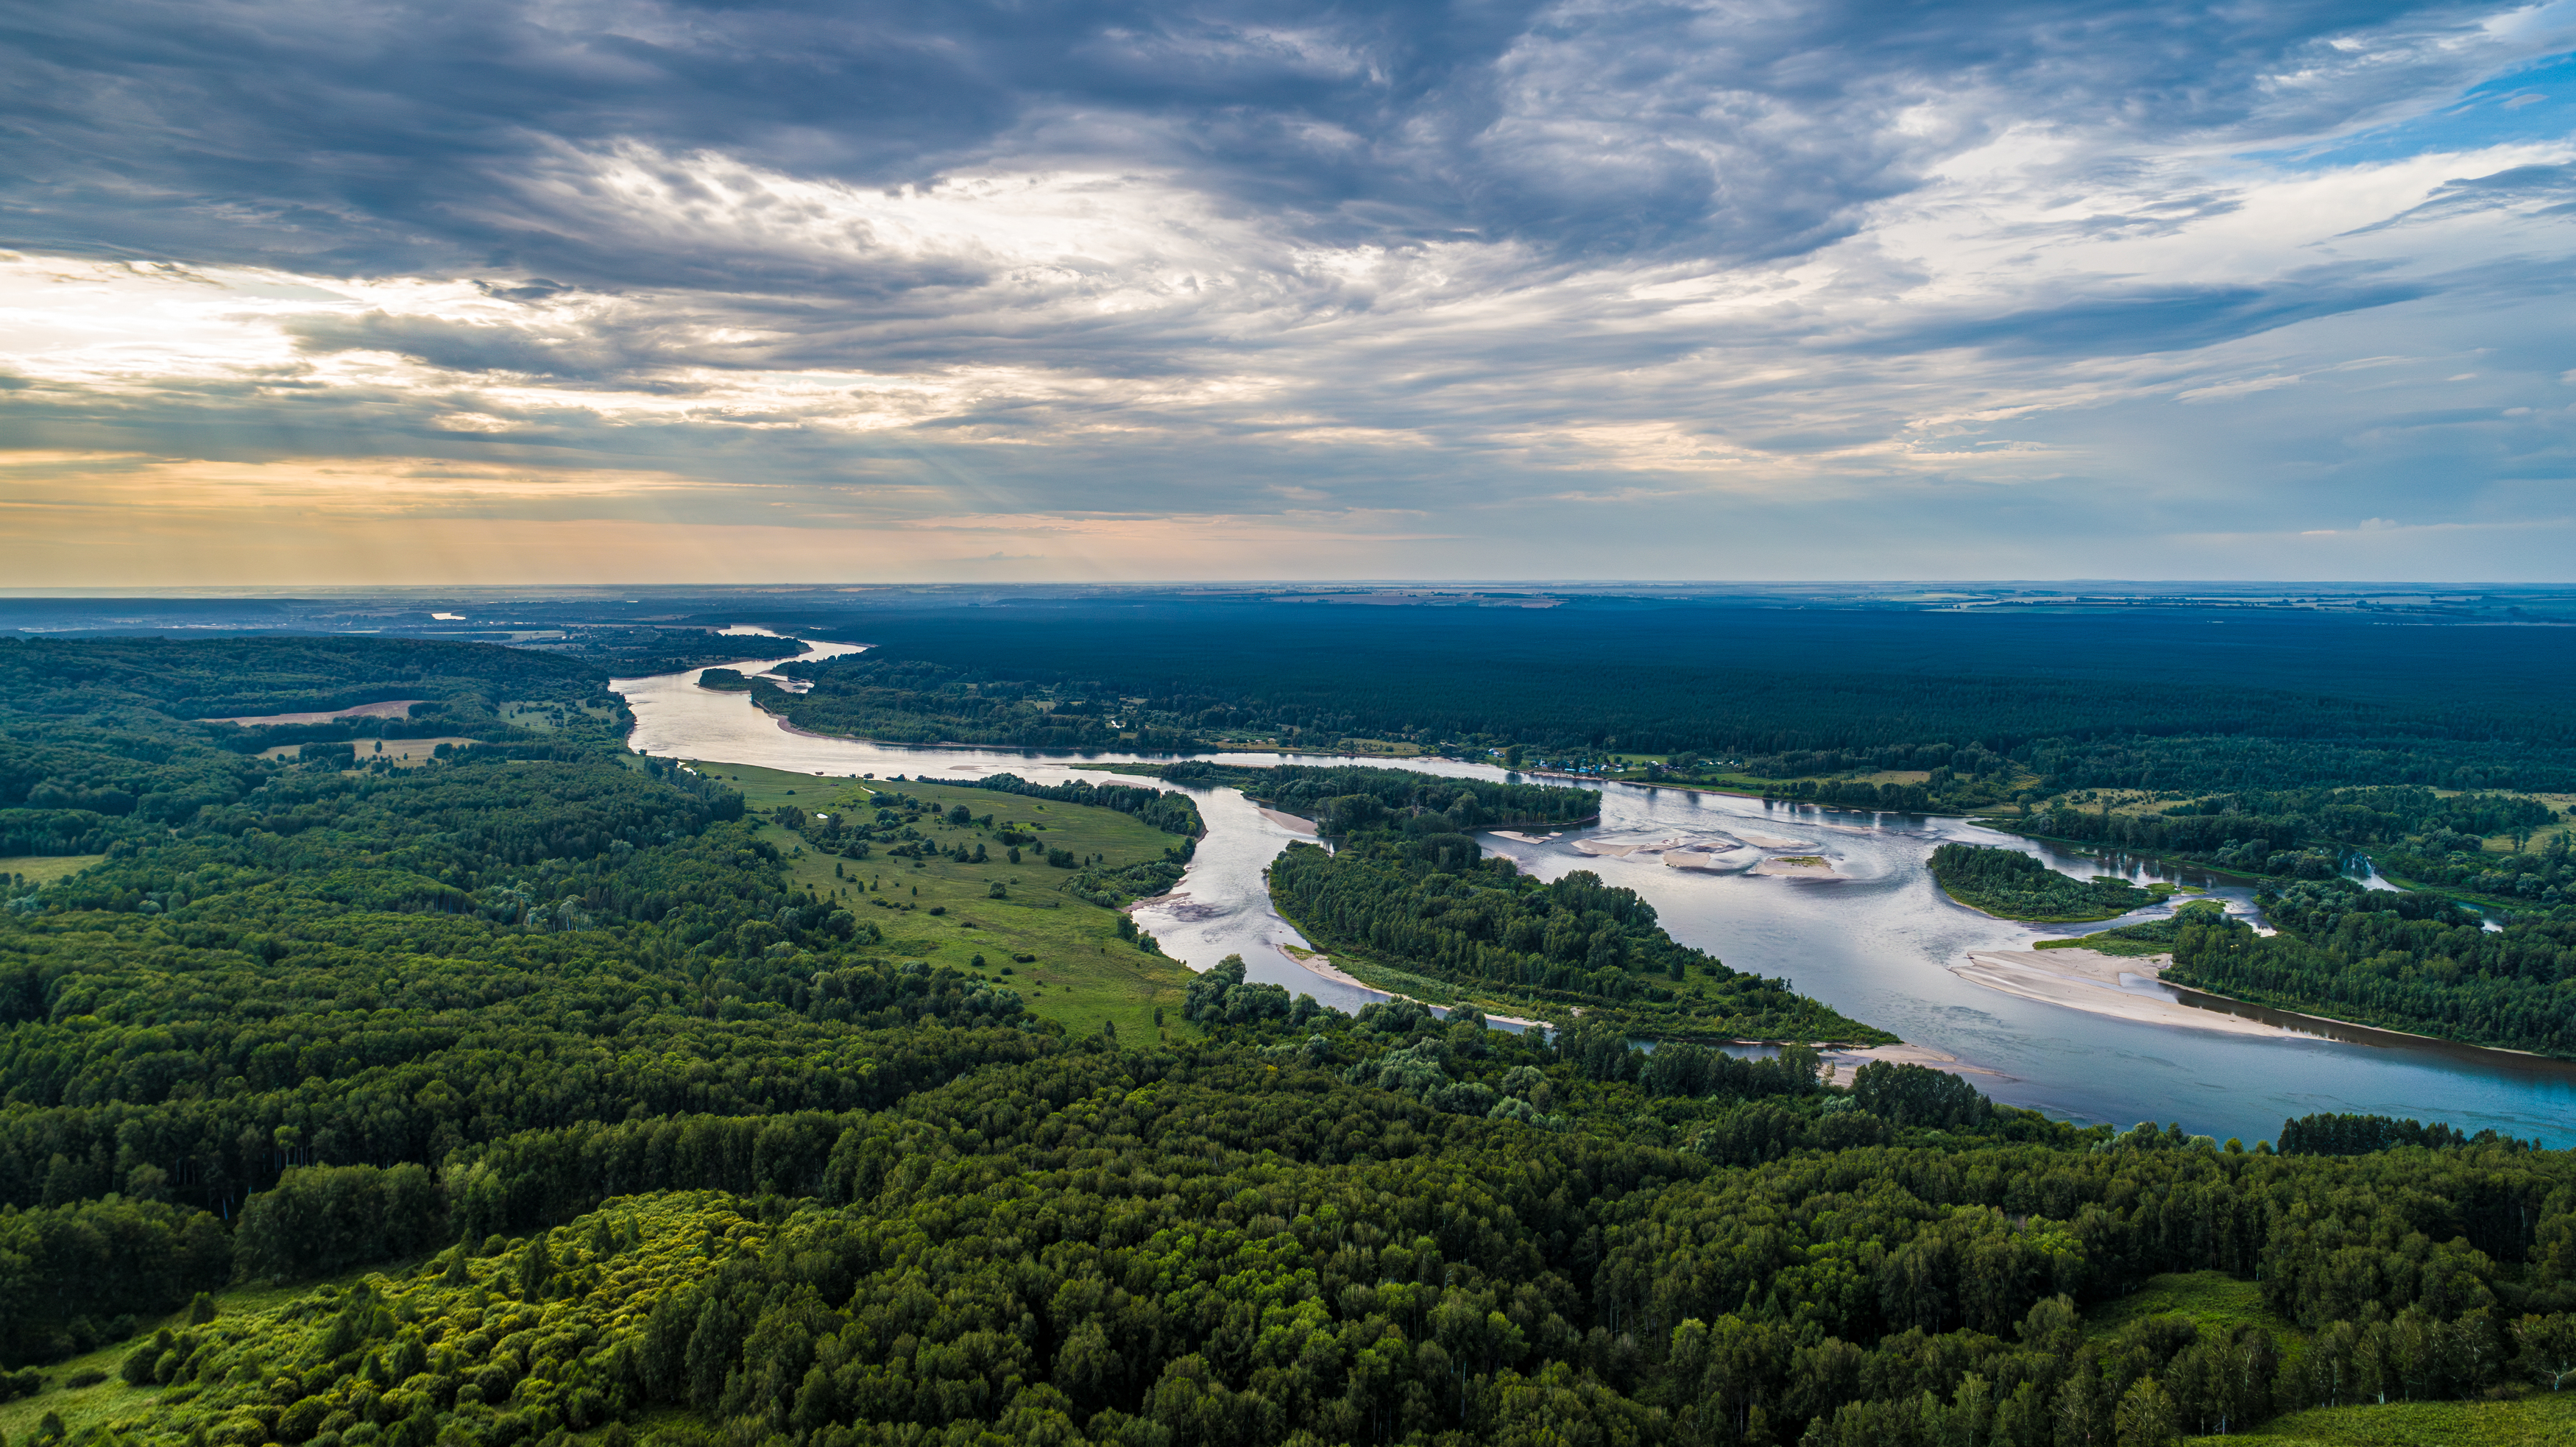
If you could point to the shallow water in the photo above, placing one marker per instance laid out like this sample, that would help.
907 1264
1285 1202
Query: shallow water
1874 944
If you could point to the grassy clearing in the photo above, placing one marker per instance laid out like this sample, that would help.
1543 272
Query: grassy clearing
1082 973
2542 1420
2216 1302
541 716
46 868
404 753
112 1402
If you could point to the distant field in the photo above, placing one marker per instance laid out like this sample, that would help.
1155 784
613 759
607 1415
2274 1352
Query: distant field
2215 1301
2543 1420
1084 973
46 868
405 753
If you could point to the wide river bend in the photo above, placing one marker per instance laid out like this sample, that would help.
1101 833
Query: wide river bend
1876 943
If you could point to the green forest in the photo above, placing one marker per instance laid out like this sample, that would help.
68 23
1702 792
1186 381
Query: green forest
541 1094
2405 961
1990 706
2422 835
1414 896
2014 885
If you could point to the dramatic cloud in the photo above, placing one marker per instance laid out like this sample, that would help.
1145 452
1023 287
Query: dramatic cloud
374 291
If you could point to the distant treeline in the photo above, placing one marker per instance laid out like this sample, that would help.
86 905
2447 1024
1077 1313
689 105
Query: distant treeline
1355 796
2176 700
2308 833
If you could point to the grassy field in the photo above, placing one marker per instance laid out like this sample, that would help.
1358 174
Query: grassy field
2546 1419
2216 1302
112 1402
405 753
1081 973
2219 1304
46 868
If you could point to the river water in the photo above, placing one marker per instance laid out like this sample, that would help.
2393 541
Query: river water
1874 942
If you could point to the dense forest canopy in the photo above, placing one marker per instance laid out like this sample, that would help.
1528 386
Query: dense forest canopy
2406 961
624 1124
2168 699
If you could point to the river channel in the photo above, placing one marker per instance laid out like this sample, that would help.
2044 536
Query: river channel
1877 942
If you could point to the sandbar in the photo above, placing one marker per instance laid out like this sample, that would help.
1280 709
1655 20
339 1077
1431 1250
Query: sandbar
2089 980
390 708
1790 869
1519 837
1850 1058
1768 841
1607 850
1290 822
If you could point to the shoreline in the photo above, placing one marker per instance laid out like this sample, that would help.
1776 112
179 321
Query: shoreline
2393 1038
2088 983
1316 962
1765 795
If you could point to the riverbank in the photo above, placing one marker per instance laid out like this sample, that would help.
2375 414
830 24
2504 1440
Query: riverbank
1317 963
1768 796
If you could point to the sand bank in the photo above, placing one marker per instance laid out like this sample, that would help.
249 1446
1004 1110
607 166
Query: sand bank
1848 1059
1794 869
391 708
2091 981
1767 841
1517 836
1290 822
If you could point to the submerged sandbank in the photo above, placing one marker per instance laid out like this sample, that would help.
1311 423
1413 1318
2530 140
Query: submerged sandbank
2123 987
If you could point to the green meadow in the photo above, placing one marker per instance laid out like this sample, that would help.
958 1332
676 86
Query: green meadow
1078 970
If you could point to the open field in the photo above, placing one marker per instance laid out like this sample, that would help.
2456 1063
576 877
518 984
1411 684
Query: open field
2215 1301
1083 974
405 753
2546 1419
46 868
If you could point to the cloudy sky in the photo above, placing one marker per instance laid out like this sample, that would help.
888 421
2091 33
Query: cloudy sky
346 291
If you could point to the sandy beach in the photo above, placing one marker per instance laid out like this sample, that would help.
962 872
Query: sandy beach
1791 869
1848 1059
2091 981
391 708
1290 822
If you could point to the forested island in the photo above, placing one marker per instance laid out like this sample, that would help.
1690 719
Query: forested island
537 1093
2014 885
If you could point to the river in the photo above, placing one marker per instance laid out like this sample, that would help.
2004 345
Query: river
1875 943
